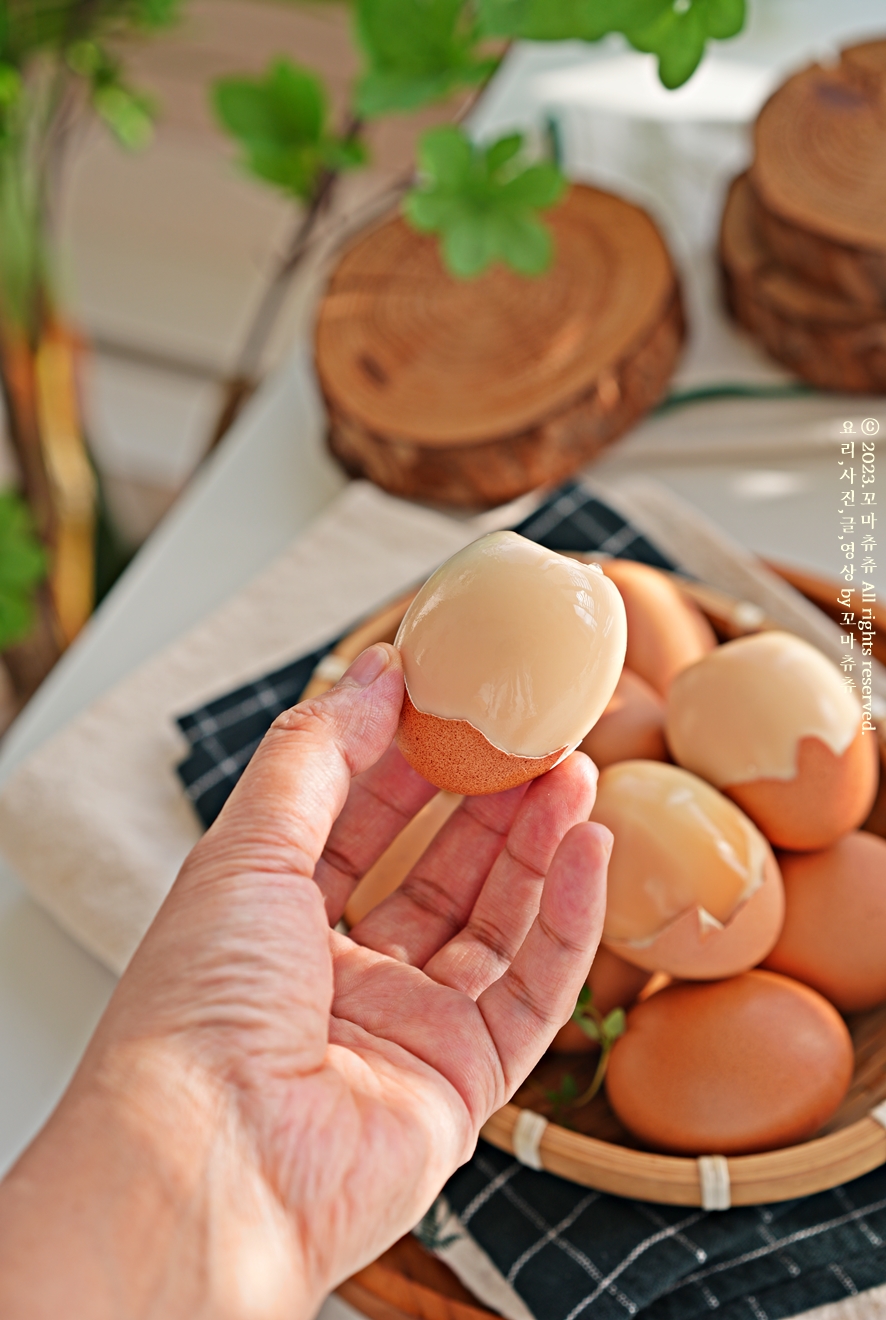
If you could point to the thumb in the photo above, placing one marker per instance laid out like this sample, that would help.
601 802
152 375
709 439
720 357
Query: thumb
280 813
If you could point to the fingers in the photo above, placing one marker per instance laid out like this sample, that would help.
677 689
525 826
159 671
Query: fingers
381 802
508 902
279 816
525 1008
437 896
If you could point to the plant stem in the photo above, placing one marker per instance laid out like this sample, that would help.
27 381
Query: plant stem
242 382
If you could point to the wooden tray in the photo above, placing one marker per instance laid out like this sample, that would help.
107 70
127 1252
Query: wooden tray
601 1154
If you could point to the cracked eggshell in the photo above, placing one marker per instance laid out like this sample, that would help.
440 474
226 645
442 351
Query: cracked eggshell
511 653
752 1063
768 721
666 632
694 889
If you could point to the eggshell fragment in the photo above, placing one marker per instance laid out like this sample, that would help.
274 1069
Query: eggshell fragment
834 933
828 795
666 631
730 1067
631 727
694 889
510 654
769 721
614 983
453 755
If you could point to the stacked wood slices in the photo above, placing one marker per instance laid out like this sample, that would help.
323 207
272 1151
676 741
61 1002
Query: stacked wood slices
468 393
803 237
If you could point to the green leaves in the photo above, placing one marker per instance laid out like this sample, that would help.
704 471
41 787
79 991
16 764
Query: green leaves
22 567
674 30
129 115
280 121
604 1031
417 51
484 202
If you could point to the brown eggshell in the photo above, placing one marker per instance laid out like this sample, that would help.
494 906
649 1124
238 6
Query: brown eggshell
631 727
753 1063
829 795
666 632
693 952
453 755
834 933
614 983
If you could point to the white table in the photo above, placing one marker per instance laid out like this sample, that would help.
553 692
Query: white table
271 477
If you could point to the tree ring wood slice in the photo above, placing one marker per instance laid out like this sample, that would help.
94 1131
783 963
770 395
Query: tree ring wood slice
471 392
821 335
819 173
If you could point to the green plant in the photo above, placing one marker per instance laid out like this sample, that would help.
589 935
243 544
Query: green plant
22 568
603 1031
485 202
59 62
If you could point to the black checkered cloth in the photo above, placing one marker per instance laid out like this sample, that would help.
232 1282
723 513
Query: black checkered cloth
571 1252
225 732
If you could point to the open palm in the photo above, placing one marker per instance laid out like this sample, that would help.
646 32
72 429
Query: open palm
354 1071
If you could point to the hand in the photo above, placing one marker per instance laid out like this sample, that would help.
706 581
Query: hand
268 1104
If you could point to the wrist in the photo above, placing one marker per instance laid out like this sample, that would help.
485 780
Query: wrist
138 1199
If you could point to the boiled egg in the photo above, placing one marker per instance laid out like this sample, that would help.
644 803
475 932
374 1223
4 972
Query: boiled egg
511 653
769 721
694 889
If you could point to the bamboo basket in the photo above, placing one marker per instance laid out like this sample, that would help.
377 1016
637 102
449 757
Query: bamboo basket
602 1154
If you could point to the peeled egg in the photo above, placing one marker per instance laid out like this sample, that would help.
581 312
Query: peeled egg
614 983
694 889
631 727
834 933
768 720
730 1067
666 632
510 653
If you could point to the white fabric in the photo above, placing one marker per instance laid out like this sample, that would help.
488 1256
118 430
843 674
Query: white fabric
713 1175
528 1132
878 1113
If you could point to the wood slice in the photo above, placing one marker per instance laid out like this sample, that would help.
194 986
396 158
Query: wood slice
820 174
469 393
822 336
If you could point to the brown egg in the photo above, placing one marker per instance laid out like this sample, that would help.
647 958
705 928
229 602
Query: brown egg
614 983
768 720
511 653
730 1067
693 889
631 727
666 632
834 933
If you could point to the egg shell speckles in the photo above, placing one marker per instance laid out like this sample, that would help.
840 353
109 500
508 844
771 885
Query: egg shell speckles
730 1067
828 796
452 754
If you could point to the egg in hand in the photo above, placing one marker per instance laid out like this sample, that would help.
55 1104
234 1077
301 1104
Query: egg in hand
511 653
